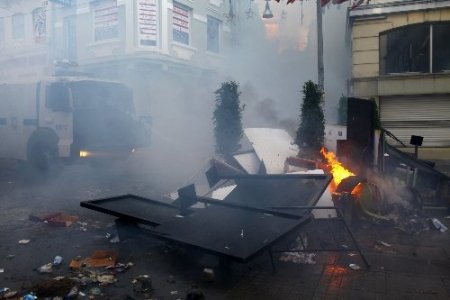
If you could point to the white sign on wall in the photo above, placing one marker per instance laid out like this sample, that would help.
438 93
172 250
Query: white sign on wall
148 22
181 23
106 19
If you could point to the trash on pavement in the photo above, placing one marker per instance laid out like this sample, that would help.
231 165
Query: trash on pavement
29 297
208 274
57 261
142 284
174 293
119 268
10 256
2 270
384 244
55 219
24 241
438 225
99 258
104 279
47 268
115 239
95 291
6 293
354 267
73 292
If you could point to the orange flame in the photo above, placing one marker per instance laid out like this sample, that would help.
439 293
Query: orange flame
337 169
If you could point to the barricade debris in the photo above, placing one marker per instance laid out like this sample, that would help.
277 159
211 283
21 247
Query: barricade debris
99 258
55 219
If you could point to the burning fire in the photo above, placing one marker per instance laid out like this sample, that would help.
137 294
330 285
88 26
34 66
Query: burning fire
337 169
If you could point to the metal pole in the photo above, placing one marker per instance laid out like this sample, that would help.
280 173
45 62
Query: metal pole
320 69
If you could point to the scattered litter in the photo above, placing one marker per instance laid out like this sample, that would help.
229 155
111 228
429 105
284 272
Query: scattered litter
174 293
24 241
81 294
142 284
438 225
208 274
29 297
57 261
6 293
352 254
299 257
73 292
47 268
108 235
384 244
115 239
447 217
99 258
344 246
54 219
95 291
104 279
354 267
10 256
55 288
242 233
119 268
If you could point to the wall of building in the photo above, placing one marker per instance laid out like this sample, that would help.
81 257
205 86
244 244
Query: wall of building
365 57
410 102
27 55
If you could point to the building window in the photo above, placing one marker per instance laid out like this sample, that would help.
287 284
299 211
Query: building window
441 47
106 20
39 24
148 22
421 48
181 23
213 35
18 26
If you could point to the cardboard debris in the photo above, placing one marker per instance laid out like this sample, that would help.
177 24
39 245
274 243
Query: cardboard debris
100 258
54 219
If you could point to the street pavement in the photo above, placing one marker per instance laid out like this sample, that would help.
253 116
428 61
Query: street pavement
402 265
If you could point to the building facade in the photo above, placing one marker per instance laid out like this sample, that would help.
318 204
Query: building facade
401 57
130 40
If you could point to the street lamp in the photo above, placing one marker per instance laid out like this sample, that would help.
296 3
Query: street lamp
267 12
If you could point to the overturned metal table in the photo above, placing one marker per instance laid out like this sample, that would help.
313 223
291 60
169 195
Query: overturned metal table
240 227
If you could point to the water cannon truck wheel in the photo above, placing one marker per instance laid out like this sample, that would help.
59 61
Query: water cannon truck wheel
43 154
